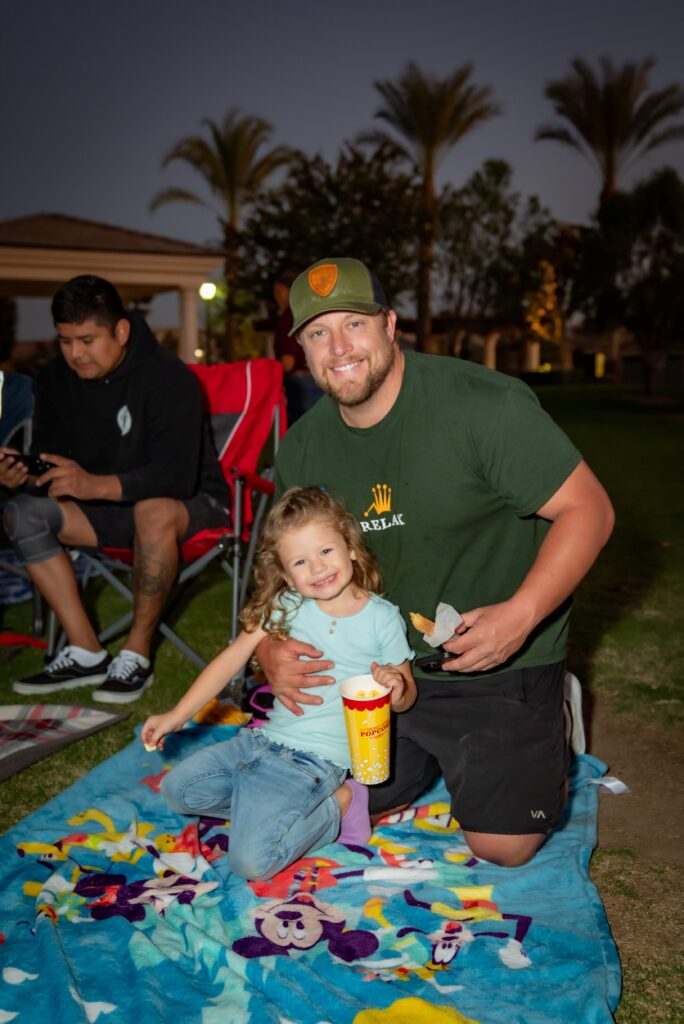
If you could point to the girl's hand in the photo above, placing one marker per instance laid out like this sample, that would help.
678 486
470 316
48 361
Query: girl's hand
156 728
398 679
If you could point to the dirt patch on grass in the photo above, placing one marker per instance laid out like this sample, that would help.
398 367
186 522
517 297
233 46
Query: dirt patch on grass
643 904
644 909
637 866
650 760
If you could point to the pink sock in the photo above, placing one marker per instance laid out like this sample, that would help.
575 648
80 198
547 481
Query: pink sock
355 829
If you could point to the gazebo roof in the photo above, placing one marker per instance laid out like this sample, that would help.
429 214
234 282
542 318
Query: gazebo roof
59 231
40 252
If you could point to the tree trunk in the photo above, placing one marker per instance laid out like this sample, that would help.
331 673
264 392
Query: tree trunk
616 339
531 357
491 341
425 244
230 271
609 187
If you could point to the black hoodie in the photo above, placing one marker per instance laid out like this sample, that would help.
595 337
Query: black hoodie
143 422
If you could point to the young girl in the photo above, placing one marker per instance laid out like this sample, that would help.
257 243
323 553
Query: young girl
283 785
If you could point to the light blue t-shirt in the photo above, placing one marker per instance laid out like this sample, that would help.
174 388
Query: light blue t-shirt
376 633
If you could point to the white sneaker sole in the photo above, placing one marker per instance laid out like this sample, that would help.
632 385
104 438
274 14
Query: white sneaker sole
573 703
67 684
112 697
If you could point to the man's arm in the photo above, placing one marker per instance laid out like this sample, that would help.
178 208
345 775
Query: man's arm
582 520
69 480
50 442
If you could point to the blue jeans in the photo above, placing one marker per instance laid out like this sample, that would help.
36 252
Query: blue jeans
280 801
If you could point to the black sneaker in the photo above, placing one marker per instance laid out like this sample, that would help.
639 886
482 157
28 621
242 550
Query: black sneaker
64 673
126 680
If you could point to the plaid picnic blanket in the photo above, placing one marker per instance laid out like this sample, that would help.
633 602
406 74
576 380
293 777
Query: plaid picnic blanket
29 732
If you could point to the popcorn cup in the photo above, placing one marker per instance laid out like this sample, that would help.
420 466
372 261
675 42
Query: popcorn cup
367 717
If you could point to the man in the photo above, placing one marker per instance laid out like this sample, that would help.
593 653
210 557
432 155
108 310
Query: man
469 494
121 421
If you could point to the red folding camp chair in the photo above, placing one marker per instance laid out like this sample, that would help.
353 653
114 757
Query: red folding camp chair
246 405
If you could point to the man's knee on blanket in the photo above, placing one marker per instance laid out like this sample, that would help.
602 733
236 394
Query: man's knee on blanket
506 851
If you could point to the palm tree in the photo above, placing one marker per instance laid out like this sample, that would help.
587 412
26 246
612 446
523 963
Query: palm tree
612 117
430 115
234 169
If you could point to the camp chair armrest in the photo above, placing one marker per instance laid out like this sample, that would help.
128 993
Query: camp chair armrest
254 481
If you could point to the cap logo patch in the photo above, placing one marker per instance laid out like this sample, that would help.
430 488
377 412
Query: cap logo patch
323 279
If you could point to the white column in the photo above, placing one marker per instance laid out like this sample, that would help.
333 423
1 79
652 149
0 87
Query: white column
489 359
189 337
531 355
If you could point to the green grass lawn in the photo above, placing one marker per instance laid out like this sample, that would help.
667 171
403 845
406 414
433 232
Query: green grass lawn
627 640
627 643
627 647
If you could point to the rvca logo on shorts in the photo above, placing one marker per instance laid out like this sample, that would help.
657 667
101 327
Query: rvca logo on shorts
124 420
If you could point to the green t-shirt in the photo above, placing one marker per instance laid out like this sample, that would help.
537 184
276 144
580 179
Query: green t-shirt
445 488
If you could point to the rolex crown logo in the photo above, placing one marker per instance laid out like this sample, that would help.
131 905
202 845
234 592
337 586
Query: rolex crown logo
382 500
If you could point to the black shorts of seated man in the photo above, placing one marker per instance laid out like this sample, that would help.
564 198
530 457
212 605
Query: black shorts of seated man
134 467
468 494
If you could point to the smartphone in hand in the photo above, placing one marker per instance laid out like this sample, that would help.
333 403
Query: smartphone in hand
433 662
35 465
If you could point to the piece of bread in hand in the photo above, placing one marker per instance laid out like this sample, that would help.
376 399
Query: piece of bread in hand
422 624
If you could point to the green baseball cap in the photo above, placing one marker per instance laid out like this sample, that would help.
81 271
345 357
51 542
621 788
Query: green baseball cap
334 285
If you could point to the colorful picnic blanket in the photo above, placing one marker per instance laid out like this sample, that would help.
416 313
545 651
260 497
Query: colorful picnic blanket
113 909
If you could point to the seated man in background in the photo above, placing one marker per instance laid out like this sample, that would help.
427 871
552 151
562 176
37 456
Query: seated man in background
121 420
301 390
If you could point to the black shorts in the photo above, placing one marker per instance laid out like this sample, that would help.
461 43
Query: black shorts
114 524
499 742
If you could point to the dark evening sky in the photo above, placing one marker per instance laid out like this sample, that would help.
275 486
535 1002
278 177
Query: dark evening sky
94 92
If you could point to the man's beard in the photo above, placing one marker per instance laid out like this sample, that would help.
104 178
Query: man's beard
375 378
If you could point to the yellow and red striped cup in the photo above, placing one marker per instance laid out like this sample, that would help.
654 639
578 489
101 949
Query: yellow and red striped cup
367 717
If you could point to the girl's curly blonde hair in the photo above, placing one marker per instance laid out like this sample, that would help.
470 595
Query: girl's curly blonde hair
298 506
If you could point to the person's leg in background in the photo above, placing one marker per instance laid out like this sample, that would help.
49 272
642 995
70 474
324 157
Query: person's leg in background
159 523
38 528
